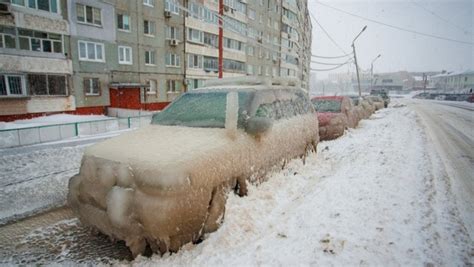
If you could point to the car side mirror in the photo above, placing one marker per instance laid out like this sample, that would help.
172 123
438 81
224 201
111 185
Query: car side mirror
258 125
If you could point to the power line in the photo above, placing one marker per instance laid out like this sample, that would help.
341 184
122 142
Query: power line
395 27
337 67
330 64
327 34
333 57
439 17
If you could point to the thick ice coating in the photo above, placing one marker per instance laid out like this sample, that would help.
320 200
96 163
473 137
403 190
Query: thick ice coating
164 186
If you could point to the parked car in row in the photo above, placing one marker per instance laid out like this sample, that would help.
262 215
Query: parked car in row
366 107
376 101
165 185
335 114
383 94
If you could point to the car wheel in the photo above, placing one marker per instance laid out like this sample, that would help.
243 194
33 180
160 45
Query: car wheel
216 210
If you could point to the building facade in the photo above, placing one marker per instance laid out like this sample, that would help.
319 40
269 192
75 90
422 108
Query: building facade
454 82
90 56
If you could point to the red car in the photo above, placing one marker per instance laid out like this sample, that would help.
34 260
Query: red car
335 114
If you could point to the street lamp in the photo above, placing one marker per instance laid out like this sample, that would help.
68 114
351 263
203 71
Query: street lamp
372 71
355 58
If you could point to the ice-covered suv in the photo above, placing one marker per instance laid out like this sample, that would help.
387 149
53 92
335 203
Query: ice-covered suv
165 185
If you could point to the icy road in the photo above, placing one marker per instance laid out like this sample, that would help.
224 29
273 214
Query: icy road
395 191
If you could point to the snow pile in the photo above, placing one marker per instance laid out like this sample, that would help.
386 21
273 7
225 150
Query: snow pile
50 120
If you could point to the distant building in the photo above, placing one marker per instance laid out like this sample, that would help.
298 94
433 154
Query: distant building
94 56
456 82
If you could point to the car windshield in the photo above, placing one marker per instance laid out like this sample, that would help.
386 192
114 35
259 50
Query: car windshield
206 110
326 105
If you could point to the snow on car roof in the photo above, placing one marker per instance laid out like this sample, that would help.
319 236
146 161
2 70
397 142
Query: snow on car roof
252 82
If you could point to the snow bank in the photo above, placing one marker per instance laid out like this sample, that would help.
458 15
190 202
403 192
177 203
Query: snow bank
52 119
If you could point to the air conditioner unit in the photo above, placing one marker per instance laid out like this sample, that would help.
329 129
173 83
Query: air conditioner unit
174 42
167 14
243 1
226 8
259 39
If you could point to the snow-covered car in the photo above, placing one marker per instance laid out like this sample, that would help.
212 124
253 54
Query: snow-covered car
376 101
335 114
363 108
166 184
383 94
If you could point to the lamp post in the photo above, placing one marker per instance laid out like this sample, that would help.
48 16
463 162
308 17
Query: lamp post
355 58
372 71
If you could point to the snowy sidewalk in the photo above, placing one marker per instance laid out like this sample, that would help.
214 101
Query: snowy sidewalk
369 198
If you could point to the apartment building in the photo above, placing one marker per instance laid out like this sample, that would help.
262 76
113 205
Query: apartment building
35 65
142 54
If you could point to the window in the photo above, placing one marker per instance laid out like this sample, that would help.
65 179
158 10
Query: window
149 3
7 37
123 22
195 36
91 86
194 61
194 83
44 5
12 85
210 64
172 33
42 84
125 55
89 51
149 57
172 60
172 6
233 44
211 39
88 15
250 50
40 41
151 87
149 27
172 86
250 69
252 15
232 65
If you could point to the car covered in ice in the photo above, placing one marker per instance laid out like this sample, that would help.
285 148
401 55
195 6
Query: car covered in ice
335 114
383 94
376 101
362 107
165 185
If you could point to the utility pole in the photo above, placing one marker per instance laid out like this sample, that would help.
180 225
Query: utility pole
355 58
372 72
221 37
357 69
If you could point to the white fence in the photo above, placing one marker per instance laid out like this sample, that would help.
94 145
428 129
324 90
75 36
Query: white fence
56 132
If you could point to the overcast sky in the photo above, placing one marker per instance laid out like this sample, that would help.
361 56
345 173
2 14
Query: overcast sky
400 50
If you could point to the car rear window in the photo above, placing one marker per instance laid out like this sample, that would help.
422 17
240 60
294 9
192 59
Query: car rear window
326 105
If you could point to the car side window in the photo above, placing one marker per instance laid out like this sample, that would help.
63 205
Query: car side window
293 104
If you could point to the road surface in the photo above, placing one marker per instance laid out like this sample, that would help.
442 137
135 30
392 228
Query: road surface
451 129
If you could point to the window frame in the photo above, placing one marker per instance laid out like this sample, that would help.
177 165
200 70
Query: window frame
151 52
124 48
41 41
84 12
150 3
7 85
129 24
173 59
26 5
87 52
150 22
91 84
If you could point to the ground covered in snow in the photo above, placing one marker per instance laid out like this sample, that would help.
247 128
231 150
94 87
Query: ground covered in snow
49 120
379 195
